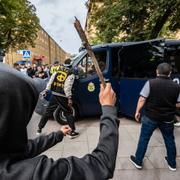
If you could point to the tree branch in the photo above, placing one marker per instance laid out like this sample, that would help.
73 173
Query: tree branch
161 20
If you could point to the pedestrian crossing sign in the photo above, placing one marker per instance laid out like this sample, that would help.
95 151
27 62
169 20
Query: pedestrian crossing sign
26 53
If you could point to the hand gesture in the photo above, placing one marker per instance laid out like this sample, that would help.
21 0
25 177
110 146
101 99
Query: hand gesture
107 96
65 129
70 102
137 116
44 93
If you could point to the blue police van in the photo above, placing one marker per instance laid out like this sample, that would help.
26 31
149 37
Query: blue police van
127 65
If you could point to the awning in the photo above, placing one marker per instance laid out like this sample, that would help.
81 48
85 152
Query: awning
23 62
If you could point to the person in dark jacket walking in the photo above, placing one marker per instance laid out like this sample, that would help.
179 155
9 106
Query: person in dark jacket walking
19 157
160 97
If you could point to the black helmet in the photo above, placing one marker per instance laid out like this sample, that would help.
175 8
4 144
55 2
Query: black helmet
67 62
56 62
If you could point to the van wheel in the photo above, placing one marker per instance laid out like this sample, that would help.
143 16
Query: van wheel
60 117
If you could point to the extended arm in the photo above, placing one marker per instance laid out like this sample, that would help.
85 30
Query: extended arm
42 143
103 158
140 105
100 164
142 99
68 88
48 87
68 85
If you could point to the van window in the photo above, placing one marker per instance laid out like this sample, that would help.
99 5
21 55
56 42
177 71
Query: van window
173 58
86 65
139 61
115 52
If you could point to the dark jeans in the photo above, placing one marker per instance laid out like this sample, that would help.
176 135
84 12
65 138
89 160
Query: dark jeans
147 129
53 104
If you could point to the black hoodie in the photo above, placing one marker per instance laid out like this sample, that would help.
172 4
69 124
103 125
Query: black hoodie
19 158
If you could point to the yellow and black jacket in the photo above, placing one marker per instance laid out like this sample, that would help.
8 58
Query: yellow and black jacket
61 82
54 69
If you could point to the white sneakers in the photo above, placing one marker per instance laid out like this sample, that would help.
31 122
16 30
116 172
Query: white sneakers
177 124
170 167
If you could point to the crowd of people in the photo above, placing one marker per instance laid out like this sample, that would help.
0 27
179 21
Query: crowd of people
33 70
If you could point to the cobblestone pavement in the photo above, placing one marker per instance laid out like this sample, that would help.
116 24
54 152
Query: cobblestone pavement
155 167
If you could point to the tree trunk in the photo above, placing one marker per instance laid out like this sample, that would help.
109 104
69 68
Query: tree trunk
160 23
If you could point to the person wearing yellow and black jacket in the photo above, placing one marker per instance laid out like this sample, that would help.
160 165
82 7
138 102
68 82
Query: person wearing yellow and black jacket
55 67
60 84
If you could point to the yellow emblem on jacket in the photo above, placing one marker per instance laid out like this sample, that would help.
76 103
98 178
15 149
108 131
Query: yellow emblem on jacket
61 76
91 87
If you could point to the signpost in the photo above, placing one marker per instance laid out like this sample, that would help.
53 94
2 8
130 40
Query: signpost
26 53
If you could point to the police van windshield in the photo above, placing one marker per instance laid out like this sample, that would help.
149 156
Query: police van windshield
78 56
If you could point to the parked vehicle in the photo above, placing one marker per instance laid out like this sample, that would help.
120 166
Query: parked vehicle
127 65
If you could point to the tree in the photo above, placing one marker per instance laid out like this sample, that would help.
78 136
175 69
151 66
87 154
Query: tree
135 19
18 24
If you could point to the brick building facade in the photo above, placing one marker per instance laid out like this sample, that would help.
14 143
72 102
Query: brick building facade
46 50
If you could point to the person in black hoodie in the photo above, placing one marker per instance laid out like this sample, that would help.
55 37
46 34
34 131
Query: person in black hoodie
19 157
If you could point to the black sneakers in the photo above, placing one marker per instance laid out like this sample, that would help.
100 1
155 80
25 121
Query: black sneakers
133 160
73 135
139 166
172 168
38 132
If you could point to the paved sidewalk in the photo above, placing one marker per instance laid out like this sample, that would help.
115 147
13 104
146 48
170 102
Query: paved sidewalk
155 167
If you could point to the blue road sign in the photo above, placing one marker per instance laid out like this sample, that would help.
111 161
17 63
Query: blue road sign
26 53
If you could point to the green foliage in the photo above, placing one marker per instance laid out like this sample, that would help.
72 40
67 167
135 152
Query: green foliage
18 24
135 19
